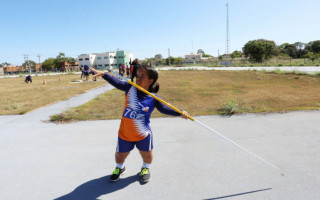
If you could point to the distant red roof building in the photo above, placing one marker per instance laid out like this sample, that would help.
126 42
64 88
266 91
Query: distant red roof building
70 66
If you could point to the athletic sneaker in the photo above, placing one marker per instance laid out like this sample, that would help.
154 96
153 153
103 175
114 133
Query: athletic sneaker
145 175
117 173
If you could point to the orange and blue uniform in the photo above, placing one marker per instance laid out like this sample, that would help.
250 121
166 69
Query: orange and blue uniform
135 122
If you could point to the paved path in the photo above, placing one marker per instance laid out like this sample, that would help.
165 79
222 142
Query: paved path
40 160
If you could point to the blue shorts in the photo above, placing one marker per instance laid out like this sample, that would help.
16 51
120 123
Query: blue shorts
143 145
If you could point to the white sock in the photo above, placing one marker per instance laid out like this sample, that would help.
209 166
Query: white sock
146 165
120 165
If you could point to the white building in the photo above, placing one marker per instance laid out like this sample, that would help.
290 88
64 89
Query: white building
192 58
107 59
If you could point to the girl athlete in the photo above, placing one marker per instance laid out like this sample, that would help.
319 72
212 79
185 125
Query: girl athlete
134 127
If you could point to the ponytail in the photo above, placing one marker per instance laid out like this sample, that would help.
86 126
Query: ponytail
154 87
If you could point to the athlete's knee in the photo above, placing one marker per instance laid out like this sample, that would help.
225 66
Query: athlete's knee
121 156
147 155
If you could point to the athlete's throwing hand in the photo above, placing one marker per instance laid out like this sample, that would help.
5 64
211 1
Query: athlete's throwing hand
185 115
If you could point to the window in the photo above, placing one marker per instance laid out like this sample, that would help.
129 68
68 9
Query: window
107 65
86 58
98 58
115 56
100 65
111 56
106 57
80 59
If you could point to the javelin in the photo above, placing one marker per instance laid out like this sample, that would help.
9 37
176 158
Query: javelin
191 118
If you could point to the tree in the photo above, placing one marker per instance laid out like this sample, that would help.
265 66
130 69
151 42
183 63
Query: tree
316 46
173 60
313 46
158 57
312 55
62 58
299 47
292 51
258 49
200 51
5 64
29 63
48 64
236 54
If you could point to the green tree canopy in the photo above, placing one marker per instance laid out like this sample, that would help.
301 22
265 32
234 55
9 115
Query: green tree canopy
315 46
158 57
173 60
5 64
258 49
30 64
62 58
48 64
236 54
200 51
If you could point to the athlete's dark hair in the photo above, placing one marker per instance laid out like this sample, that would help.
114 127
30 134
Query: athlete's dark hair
152 74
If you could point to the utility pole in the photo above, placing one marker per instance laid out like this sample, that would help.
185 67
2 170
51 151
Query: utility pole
26 60
169 56
227 34
39 62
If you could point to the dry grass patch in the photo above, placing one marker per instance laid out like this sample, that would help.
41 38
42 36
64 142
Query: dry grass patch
213 92
17 97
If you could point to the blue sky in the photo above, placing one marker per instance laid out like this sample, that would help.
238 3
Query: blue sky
148 27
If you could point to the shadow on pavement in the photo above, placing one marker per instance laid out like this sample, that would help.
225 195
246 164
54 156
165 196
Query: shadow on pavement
233 195
93 189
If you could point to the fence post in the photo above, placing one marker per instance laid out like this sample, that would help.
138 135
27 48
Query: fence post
265 60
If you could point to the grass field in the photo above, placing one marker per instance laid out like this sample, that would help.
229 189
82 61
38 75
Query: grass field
214 92
17 97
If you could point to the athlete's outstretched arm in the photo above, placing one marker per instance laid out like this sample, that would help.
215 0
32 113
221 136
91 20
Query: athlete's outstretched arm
168 111
96 72
117 83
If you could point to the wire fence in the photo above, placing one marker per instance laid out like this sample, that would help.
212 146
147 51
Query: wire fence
251 63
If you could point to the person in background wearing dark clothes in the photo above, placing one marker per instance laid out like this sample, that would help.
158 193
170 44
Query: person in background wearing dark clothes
127 71
86 71
135 67
28 79
120 69
82 72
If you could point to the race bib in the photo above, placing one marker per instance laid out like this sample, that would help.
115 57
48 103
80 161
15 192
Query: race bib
133 114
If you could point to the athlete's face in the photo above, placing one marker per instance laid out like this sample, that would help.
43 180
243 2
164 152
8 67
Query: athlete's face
143 79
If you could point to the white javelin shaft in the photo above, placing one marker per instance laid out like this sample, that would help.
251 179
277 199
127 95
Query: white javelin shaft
210 129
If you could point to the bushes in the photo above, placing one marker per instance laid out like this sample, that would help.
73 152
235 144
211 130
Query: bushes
232 107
